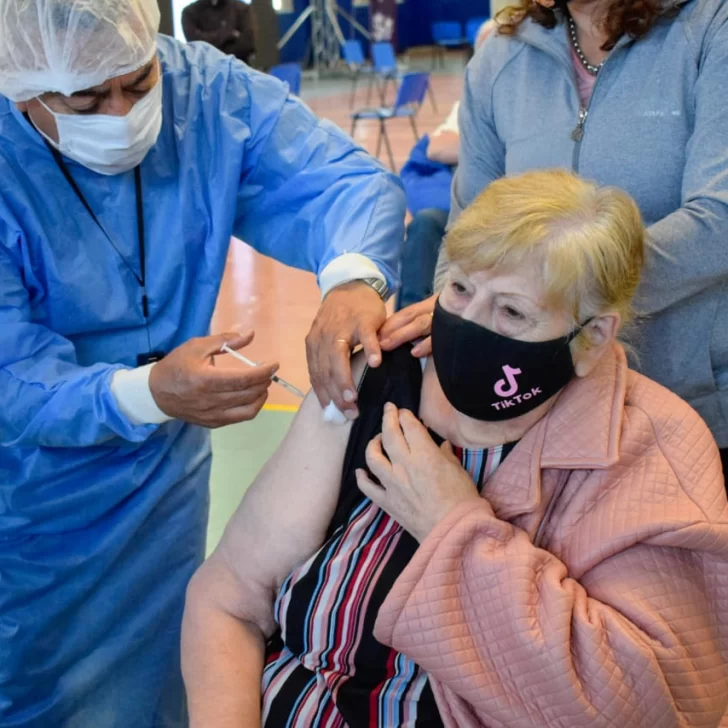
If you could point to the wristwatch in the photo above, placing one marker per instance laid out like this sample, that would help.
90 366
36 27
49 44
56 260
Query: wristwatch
379 285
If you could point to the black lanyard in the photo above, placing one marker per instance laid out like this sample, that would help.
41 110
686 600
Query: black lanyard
141 277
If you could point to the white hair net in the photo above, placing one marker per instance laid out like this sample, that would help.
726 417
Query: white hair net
65 46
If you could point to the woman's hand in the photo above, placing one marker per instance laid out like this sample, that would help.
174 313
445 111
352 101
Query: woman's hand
420 482
410 323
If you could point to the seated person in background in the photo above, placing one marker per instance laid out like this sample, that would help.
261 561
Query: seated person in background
519 531
229 25
429 219
445 140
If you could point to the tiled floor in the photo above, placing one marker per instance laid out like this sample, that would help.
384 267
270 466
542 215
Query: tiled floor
279 303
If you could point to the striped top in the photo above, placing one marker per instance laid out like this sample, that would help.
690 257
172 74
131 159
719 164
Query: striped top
325 668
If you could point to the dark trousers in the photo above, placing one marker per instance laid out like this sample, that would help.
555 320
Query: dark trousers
724 460
419 256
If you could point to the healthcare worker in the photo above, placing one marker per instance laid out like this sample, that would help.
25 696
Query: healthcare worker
127 162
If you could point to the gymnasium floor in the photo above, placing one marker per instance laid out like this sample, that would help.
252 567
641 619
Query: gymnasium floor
279 303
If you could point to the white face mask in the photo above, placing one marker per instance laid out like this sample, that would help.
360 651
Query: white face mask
110 144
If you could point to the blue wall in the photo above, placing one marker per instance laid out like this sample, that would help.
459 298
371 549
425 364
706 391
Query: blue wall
415 18
296 47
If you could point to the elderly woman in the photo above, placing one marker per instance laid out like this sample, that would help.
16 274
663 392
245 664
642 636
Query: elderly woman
539 536
630 93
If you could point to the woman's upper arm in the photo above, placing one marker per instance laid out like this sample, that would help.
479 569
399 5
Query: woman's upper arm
482 152
285 514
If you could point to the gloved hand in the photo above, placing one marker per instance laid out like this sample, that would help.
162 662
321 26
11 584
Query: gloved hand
189 385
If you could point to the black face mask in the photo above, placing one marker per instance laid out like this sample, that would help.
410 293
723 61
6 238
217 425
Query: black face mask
490 377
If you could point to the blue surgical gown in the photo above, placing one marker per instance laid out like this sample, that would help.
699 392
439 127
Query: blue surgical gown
102 522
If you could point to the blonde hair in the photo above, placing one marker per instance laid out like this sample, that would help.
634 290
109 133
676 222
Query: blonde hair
590 239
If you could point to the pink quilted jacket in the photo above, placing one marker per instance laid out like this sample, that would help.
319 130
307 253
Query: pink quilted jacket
590 585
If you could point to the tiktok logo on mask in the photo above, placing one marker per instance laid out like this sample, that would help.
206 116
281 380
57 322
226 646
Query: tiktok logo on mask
507 389
500 385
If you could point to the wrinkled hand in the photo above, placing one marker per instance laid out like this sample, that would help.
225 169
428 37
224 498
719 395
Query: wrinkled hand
420 482
351 314
409 324
188 386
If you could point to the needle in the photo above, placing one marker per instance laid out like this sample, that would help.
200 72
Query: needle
275 378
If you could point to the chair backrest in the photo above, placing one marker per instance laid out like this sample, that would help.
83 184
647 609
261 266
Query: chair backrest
384 56
472 28
412 90
353 53
290 73
447 31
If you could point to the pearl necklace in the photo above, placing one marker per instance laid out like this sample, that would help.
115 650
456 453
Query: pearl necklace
594 70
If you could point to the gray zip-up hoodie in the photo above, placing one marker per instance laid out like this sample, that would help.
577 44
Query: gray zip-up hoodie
657 126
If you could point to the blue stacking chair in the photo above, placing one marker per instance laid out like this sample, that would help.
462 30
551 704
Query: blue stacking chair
353 54
472 28
410 97
386 71
290 73
446 35
384 60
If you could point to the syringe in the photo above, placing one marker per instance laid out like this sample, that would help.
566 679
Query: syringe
275 378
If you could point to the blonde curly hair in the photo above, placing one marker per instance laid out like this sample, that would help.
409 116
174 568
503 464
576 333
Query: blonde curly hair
590 240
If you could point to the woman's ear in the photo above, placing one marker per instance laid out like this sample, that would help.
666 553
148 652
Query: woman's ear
599 334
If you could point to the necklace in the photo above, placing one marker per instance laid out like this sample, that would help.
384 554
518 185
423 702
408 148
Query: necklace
594 70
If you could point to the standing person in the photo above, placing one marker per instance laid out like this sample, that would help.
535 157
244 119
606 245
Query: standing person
632 94
127 163
229 25
267 33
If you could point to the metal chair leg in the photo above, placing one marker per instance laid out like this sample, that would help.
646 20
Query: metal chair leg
372 79
383 91
354 82
353 127
414 128
392 165
379 139
431 96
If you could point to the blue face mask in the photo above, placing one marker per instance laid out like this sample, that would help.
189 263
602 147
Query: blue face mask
106 144
490 377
